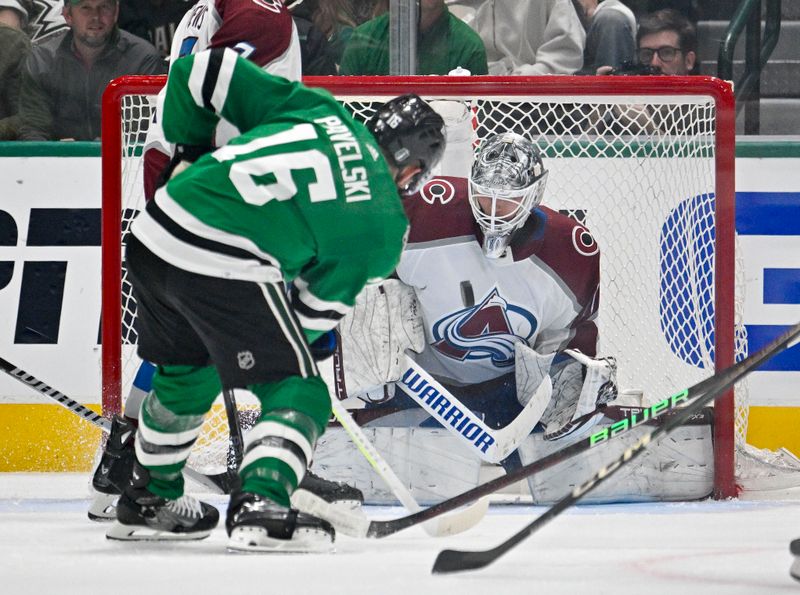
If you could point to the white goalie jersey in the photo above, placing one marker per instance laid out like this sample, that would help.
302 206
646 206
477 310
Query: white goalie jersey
543 291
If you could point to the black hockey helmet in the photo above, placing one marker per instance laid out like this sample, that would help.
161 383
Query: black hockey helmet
409 130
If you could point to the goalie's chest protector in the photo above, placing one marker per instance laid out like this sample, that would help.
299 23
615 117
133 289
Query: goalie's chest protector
476 308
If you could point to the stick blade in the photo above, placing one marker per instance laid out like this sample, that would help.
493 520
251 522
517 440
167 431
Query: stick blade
450 561
221 483
459 521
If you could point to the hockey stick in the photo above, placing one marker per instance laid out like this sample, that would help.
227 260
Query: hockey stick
488 444
379 529
356 525
445 525
236 451
219 483
456 560
384 528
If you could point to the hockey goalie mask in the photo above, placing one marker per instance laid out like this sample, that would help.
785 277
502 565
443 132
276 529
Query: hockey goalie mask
506 183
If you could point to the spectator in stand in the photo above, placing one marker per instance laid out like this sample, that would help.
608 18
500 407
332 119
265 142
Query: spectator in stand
315 51
666 44
667 41
65 76
325 26
444 43
530 37
153 20
610 34
14 48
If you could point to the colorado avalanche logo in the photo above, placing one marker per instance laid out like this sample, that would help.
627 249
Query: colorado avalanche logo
439 190
484 331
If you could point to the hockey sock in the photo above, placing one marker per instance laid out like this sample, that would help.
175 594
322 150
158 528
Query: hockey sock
170 421
279 447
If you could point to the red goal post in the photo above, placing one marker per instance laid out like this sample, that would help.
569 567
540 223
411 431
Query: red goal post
617 147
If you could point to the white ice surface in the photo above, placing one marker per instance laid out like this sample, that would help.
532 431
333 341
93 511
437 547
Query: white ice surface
47 545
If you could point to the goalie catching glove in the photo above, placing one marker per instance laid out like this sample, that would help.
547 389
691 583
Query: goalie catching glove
374 336
580 385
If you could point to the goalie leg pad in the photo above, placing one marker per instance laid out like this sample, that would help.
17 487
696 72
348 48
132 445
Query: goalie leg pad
678 467
432 463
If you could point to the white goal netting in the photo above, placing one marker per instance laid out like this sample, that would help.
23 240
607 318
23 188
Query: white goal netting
640 169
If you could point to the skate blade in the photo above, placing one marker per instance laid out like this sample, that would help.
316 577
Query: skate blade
122 532
794 571
256 540
103 508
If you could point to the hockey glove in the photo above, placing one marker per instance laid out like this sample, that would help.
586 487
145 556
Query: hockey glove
580 385
375 334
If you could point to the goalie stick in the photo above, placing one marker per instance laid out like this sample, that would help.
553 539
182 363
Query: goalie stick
488 444
702 394
357 525
220 483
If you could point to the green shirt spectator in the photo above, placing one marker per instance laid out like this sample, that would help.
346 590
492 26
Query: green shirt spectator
444 45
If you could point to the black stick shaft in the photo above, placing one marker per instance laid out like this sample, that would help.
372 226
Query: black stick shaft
60 398
235 427
703 393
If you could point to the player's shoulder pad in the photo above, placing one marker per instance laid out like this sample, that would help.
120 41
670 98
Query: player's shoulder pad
566 246
549 232
440 210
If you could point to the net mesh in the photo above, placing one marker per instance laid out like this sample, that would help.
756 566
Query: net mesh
638 172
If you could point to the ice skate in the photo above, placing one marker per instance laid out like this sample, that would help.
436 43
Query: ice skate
144 516
333 492
333 501
257 524
114 470
794 547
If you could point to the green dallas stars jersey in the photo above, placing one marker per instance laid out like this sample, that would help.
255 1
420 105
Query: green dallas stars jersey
302 195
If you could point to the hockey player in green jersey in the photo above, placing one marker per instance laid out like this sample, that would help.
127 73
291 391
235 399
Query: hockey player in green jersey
305 198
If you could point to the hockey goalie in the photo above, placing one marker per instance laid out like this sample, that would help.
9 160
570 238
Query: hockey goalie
496 298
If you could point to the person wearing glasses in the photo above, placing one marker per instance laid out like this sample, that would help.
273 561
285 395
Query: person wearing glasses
667 42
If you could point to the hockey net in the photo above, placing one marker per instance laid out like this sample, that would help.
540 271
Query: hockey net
645 162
